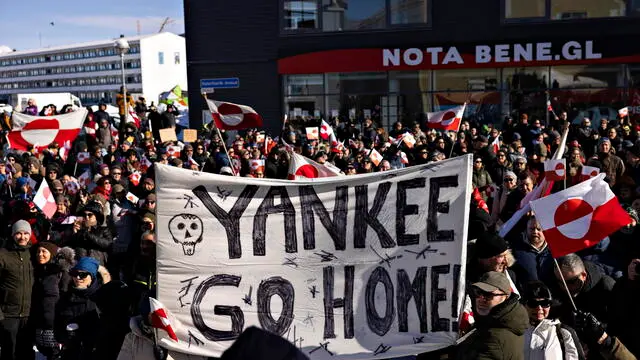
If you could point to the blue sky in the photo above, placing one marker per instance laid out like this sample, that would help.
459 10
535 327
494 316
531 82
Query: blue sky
80 20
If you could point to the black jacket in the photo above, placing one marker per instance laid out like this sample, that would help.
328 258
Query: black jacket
16 281
95 243
46 293
595 297
77 307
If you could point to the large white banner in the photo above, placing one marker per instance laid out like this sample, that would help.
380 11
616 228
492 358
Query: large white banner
355 267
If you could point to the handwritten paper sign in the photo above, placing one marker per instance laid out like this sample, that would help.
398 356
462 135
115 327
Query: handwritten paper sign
357 267
167 135
190 135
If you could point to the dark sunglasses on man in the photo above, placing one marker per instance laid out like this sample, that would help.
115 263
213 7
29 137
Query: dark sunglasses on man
79 274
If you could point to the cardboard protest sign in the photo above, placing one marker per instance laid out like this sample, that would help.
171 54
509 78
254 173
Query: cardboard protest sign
352 267
190 135
167 135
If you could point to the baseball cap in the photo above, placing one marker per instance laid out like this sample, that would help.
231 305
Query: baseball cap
493 280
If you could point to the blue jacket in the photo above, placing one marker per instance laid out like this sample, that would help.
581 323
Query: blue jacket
531 263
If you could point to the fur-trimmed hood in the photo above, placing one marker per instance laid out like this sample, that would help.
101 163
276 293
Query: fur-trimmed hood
66 258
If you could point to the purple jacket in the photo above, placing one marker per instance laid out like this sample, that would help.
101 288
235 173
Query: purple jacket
31 110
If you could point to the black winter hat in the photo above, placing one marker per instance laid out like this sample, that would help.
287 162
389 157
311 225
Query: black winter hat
489 245
95 208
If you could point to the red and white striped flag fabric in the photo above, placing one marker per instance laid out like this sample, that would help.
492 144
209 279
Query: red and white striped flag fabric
229 116
589 172
40 131
44 200
446 120
302 168
624 111
555 170
326 131
160 318
580 216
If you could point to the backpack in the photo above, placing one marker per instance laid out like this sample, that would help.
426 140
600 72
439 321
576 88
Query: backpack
574 337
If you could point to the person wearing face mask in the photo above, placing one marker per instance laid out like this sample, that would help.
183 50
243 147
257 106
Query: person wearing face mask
500 321
591 289
16 283
547 338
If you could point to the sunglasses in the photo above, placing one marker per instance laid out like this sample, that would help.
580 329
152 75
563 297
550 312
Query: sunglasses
88 215
151 202
572 281
116 173
535 303
79 274
476 292
509 180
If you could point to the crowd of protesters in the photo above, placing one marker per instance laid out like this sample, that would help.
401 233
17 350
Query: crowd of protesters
77 285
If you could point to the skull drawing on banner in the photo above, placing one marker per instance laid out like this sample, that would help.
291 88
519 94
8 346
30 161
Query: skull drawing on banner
186 229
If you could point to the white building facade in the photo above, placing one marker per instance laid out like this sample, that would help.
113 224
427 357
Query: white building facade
154 64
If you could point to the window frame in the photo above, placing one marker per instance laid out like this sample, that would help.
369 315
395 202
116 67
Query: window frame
388 24
547 15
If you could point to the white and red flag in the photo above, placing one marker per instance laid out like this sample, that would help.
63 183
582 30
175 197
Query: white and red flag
173 151
132 198
408 139
44 200
446 120
85 179
145 163
40 131
555 170
589 172
72 186
312 133
301 167
84 158
624 111
229 116
403 158
495 145
64 150
326 131
160 318
580 216
375 157
256 165
135 178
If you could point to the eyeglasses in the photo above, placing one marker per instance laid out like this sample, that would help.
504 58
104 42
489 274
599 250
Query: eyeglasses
476 292
535 303
151 202
509 180
574 280
200 148
423 152
88 215
478 161
116 173
79 274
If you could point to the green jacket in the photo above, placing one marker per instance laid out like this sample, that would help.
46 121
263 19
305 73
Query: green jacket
16 281
498 335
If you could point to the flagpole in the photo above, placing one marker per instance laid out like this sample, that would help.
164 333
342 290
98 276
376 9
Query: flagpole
224 145
75 168
565 285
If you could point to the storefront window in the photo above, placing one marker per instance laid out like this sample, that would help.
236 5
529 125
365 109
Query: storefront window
571 9
300 15
408 11
348 15
357 83
514 9
304 85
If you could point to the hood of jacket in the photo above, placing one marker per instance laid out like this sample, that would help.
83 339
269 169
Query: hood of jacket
510 315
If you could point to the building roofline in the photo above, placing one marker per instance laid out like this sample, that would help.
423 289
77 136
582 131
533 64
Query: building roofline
83 45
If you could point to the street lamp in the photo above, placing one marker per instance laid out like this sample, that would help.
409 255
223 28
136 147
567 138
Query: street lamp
123 46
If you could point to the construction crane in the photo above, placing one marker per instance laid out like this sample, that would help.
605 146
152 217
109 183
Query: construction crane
167 21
